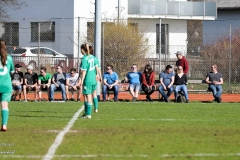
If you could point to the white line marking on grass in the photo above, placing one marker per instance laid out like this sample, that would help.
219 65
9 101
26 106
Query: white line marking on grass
128 119
125 156
59 138
60 131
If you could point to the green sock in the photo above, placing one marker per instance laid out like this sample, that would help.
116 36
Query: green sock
5 114
89 109
85 106
95 102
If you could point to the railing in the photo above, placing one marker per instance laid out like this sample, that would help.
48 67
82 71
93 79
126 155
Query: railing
173 9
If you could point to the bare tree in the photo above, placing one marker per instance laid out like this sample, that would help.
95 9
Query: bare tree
123 45
225 55
6 4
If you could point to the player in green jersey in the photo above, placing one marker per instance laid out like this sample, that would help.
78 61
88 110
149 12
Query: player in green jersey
89 68
98 78
6 68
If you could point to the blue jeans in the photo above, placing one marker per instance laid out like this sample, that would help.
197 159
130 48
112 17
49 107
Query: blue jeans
114 89
182 88
135 86
61 87
16 88
169 91
216 90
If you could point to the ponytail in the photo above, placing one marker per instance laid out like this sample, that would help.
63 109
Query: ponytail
3 52
87 49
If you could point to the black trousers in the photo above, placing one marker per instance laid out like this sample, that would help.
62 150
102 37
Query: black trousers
148 92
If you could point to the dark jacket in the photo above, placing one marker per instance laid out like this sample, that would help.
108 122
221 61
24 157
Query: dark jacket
180 81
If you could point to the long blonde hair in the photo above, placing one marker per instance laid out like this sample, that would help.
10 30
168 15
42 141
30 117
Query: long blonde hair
3 52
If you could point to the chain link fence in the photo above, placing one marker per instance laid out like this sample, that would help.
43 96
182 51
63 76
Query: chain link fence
132 41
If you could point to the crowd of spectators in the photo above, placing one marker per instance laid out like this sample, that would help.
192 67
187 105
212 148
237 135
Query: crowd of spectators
172 80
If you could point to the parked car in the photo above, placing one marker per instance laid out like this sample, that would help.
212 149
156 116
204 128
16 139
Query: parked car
47 56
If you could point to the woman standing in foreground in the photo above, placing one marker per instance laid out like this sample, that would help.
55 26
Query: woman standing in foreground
89 69
6 66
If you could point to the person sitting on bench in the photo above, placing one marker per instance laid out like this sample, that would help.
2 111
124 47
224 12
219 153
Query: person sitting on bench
134 78
148 80
166 79
214 80
180 82
110 82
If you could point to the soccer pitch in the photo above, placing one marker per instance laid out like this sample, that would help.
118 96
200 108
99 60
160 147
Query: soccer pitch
122 130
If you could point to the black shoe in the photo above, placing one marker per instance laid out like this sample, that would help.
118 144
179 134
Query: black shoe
167 100
219 100
147 98
186 101
78 100
134 99
150 99
216 99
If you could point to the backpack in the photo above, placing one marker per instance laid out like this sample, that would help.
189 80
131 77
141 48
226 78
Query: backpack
181 98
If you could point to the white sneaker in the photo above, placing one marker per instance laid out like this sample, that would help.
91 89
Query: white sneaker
86 116
96 111
4 128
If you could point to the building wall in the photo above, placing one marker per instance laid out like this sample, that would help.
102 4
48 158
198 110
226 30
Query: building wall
65 14
176 39
58 11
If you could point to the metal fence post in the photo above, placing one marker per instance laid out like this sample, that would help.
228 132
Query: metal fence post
160 44
78 45
229 56
97 36
39 48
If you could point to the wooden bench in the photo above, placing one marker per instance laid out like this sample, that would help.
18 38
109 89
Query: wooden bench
191 87
123 87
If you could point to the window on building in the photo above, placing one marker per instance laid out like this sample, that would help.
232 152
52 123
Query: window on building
47 31
10 33
164 38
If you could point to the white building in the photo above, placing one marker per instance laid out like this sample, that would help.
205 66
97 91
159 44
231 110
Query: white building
60 18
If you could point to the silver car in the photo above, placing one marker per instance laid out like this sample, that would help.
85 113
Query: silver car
47 57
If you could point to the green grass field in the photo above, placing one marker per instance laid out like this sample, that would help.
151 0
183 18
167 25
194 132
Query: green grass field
122 130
